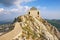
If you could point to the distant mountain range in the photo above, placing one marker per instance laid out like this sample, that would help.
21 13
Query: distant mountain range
6 21
55 23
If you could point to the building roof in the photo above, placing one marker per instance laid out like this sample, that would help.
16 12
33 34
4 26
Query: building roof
33 8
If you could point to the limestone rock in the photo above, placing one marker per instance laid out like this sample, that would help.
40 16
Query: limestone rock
32 27
36 28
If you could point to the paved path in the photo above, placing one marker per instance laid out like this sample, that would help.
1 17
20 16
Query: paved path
13 33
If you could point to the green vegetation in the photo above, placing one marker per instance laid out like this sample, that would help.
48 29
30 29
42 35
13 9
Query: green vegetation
55 23
6 27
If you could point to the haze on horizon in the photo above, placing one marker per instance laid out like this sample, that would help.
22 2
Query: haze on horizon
49 9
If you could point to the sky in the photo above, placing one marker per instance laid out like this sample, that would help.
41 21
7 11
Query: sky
9 9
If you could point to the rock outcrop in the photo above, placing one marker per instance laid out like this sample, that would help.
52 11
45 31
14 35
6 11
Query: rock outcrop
36 28
30 27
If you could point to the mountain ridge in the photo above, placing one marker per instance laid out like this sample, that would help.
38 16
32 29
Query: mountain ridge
47 26
32 27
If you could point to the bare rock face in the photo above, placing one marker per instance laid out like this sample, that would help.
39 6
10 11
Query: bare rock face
36 28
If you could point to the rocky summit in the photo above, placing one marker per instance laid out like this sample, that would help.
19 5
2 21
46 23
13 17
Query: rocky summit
32 26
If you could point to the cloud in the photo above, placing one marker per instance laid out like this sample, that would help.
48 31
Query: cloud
18 7
12 13
50 14
47 13
13 2
7 2
1 9
44 12
20 10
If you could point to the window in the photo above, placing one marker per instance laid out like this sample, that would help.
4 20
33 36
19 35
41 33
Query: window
38 13
29 12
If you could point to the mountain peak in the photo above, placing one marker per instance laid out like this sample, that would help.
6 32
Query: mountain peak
32 27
